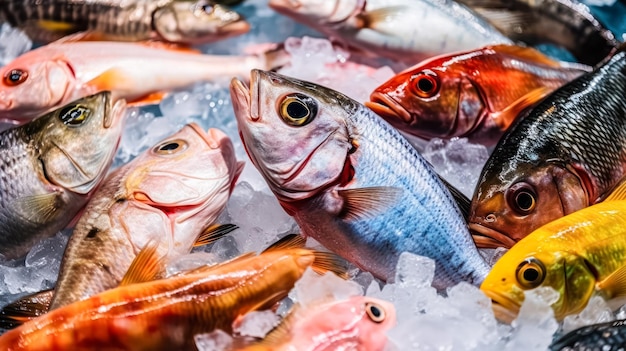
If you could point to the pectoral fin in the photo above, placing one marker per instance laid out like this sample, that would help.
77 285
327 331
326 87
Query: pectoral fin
150 99
366 202
38 208
615 284
618 192
25 309
214 233
145 267
506 117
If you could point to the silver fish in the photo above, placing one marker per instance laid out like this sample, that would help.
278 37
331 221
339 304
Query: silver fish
351 180
50 166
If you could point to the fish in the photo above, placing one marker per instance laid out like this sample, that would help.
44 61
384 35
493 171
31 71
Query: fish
51 166
185 22
408 31
565 23
579 255
602 336
350 180
568 153
358 323
165 314
476 94
55 74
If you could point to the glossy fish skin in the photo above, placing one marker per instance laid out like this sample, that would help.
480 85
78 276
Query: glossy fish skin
165 314
475 94
56 74
578 255
358 323
405 30
51 166
170 193
177 21
603 336
347 151
567 23
567 154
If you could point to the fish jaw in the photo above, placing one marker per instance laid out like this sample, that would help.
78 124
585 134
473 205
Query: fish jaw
386 107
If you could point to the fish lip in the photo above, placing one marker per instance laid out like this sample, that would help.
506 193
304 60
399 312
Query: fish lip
387 107
209 139
235 28
489 238
504 309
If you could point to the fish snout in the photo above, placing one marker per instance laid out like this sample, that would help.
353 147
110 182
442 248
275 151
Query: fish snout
487 237
387 108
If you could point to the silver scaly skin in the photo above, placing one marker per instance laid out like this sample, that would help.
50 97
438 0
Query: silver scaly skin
346 147
50 166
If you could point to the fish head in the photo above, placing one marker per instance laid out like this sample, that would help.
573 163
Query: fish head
524 267
295 132
188 175
376 317
429 102
77 142
31 85
509 204
314 12
196 22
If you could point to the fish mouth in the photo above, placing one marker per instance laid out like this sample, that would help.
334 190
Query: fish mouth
235 28
489 238
504 309
387 107
213 137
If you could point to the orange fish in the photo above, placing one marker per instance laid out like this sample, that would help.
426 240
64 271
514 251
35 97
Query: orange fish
165 314
476 94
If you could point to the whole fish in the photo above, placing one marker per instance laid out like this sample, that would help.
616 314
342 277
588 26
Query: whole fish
579 255
170 194
609 336
566 23
476 94
567 154
404 30
165 314
351 180
178 21
358 323
56 74
50 167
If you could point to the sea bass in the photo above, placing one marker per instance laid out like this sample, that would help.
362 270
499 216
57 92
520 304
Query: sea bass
581 254
177 21
165 314
566 23
567 154
476 94
405 30
351 180
56 74
170 193
51 166
358 323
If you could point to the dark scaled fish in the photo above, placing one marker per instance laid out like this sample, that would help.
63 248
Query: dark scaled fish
567 23
567 154
177 21
609 336
50 166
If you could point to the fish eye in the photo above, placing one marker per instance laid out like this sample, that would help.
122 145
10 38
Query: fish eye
375 312
530 273
170 147
15 77
207 8
298 109
522 198
425 84
74 115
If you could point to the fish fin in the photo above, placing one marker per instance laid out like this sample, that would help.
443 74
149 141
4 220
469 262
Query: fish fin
25 309
37 208
280 333
461 200
369 19
150 99
145 267
214 233
156 44
289 241
618 192
506 117
365 202
111 79
81 36
502 18
526 53
329 262
209 267
54 26
615 284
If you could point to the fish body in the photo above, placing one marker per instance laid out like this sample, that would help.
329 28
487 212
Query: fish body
165 314
359 323
51 166
405 30
581 254
476 94
566 23
350 179
170 193
178 21
568 153
55 74
603 336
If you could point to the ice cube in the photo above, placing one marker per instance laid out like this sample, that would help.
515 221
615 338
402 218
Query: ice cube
190 261
534 326
257 323
414 271
313 287
217 340
13 43
596 311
